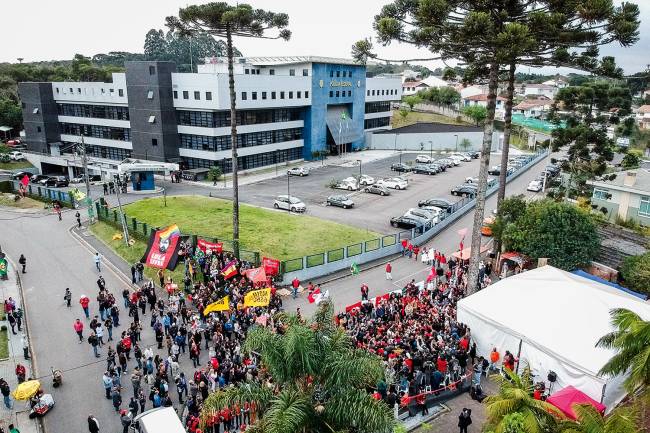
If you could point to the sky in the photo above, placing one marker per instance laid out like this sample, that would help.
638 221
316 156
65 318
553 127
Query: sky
58 30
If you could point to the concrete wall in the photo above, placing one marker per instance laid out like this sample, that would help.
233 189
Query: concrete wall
440 141
40 115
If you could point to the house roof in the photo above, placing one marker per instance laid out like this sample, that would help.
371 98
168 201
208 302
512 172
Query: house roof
482 97
414 84
288 60
644 109
641 184
532 103
540 86
430 127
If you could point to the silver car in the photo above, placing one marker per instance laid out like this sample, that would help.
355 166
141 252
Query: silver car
298 171
293 204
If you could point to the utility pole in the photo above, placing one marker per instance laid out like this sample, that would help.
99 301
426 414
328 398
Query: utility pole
89 201
288 194
119 205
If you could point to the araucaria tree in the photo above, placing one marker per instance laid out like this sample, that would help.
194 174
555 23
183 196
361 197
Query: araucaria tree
489 35
311 379
222 20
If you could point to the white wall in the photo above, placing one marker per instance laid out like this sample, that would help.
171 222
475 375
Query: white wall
242 129
241 151
98 141
387 85
441 141
95 121
98 93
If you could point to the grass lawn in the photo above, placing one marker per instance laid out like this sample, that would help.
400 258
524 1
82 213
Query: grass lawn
273 234
14 165
4 345
7 199
414 117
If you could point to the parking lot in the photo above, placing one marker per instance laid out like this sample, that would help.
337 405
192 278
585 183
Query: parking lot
371 212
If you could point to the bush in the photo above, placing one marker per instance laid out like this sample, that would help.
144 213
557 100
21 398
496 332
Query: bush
636 272
214 174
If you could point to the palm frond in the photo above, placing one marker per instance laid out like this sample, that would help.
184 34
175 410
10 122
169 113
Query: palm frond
531 422
269 346
245 392
323 316
289 412
623 420
302 353
590 420
356 409
355 368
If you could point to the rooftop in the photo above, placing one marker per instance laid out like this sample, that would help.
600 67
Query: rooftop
429 127
644 109
531 103
629 180
414 84
482 97
288 60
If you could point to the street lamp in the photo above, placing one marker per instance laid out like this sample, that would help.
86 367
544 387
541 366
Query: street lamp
359 181
224 173
431 149
456 135
288 194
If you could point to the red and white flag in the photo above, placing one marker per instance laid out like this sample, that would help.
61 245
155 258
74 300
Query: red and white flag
313 296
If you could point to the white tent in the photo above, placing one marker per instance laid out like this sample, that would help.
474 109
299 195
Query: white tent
552 320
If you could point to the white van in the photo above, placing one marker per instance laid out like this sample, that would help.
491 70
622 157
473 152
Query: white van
162 419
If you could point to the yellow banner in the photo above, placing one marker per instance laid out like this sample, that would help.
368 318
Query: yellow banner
258 298
222 304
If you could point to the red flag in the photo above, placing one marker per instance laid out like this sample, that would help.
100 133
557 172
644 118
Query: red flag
352 307
271 266
378 299
256 275
312 296
205 245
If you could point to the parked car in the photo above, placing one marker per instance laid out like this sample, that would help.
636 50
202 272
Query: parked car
393 182
298 171
495 170
457 159
93 179
464 190
364 180
439 213
340 201
401 167
424 169
466 157
437 202
424 159
16 156
293 204
377 189
554 170
474 154
348 183
56 181
405 222
535 186
423 214
14 143
39 178
439 167
471 179
20 174
446 162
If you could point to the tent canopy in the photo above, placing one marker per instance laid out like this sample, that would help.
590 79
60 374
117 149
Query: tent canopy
341 125
565 398
552 319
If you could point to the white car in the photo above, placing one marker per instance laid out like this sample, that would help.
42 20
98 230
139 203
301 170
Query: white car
440 214
293 204
471 179
349 183
534 186
393 182
463 156
424 159
366 180
421 213
456 159
16 156
298 171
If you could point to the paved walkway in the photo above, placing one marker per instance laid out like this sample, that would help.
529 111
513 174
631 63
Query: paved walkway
19 415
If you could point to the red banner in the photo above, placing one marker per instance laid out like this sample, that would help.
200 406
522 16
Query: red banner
271 266
205 246
162 251
256 275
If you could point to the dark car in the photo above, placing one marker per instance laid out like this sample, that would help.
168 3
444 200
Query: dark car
439 167
377 189
553 170
400 167
57 181
405 222
495 171
19 175
424 169
474 154
464 190
39 178
340 201
437 202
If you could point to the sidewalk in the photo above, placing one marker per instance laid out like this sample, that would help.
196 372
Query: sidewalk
19 415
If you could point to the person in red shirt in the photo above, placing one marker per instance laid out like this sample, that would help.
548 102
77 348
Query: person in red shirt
294 285
416 251
389 269
405 244
364 292
442 365
84 301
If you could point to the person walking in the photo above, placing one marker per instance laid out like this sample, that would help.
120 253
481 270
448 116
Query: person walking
57 209
94 342
78 217
84 301
25 343
125 418
6 392
464 420
389 270
98 262
23 262
79 329
12 321
13 429
107 381
93 424
116 397
295 284
67 297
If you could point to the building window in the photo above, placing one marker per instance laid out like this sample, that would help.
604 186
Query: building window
377 107
306 94
72 91
644 206
197 95
120 92
331 74
186 94
349 92
96 111
22 105
305 72
373 93
367 92
208 96
79 90
243 96
290 95
337 93
154 142
600 194
292 72
110 90
150 94
271 71
298 94
57 90
344 72
331 94
35 111
254 96
350 74
152 119
281 95
263 95
38 129
376 123
152 70
247 71
338 74
272 95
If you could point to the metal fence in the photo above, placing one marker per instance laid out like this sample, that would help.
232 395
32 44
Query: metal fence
45 194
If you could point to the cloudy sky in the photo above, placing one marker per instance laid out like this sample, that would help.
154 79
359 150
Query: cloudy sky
57 30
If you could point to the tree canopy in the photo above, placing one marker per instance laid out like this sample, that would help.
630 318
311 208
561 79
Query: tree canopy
636 272
477 113
446 96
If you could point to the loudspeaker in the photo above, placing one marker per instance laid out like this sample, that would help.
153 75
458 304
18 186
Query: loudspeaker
552 376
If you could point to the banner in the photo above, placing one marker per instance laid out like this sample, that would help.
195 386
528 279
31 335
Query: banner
258 298
256 275
162 250
313 295
222 304
212 246
230 270
271 266
3 268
